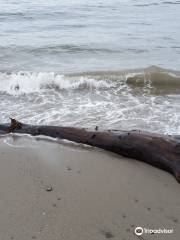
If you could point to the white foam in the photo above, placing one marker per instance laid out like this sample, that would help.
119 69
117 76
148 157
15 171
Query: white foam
27 82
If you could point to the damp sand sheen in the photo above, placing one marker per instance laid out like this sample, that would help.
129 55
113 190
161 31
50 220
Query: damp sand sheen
62 190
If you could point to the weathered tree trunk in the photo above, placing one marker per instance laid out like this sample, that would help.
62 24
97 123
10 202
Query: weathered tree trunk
162 151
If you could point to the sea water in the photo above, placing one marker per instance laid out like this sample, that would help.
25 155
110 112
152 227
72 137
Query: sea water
111 63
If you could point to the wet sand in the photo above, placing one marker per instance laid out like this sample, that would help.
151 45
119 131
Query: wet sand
51 191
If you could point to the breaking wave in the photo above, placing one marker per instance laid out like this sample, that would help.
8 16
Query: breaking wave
155 77
27 82
30 82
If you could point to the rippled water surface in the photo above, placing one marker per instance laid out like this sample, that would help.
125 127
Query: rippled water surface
80 35
61 62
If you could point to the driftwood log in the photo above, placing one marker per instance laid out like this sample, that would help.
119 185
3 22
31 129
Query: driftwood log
162 151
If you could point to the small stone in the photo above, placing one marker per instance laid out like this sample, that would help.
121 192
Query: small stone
108 234
175 220
54 205
59 199
49 189
69 168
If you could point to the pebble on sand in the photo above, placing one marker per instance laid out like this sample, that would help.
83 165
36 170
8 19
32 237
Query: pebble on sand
49 188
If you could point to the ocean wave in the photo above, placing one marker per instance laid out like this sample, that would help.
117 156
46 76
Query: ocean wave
65 49
156 3
27 82
146 4
30 82
154 77
69 48
171 2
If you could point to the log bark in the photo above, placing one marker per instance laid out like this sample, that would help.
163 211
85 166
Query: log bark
162 151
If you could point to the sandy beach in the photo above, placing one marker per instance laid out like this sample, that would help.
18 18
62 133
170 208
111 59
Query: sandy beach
53 191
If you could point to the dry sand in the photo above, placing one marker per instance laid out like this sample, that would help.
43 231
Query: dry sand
51 191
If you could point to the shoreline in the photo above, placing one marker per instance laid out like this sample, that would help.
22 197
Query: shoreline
55 191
